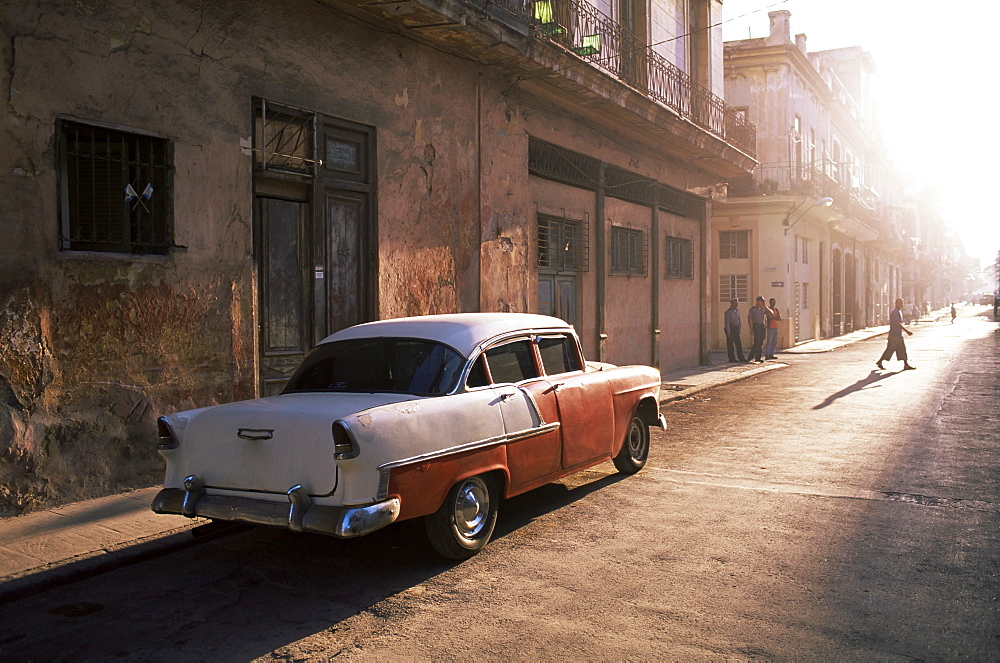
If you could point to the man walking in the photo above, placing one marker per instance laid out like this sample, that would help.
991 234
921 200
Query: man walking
733 326
895 343
757 318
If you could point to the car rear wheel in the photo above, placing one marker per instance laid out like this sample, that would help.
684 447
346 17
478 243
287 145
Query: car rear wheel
635 450
465 521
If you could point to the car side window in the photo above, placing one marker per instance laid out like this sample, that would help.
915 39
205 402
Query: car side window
512 362
477 374
559 354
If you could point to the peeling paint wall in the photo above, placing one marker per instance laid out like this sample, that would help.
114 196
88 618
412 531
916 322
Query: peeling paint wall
94 346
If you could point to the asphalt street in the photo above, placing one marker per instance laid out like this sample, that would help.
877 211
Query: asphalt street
828 510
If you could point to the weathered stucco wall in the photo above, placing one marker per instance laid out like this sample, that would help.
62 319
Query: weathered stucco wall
506 210
628 299
93 346
679 320
629 321
96 346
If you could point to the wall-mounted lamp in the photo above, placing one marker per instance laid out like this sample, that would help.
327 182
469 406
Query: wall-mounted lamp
788 223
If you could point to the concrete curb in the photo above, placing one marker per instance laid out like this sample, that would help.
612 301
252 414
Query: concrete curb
95 562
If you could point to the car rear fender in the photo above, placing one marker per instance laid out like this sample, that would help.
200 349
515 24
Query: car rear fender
422 487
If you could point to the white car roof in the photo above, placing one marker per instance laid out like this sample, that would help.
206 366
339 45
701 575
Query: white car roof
462 331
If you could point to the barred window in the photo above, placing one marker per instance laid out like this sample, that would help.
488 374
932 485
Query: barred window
733 286
628 251
562 244
114 190
283 140
678 259
734 244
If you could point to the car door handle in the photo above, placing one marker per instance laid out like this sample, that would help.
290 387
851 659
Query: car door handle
508 396
255 433
557 386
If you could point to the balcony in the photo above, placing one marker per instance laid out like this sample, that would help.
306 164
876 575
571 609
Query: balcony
859 202
508 33
582 29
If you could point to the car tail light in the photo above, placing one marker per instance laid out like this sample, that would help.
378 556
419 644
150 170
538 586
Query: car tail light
344 446
166 434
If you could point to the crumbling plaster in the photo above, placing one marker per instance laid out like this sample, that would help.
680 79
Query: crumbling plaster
95 346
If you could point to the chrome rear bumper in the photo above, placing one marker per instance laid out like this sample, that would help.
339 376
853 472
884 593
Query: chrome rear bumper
299 514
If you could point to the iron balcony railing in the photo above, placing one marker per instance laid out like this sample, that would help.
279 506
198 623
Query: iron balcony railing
595 37
861 202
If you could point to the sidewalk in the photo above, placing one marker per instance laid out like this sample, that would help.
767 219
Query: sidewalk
48 548
682 383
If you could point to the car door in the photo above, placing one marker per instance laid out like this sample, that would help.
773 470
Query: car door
584 401
529 410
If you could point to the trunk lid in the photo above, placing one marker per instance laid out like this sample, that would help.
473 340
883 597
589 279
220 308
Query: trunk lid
268 444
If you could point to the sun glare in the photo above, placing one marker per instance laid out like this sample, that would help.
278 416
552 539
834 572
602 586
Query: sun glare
933 103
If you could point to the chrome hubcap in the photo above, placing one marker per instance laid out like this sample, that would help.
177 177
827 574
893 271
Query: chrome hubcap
472 505
635 441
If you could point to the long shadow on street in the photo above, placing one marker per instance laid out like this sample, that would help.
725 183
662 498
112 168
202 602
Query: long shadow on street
865 383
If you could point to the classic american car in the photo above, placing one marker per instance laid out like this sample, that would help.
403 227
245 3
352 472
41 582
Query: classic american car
436 417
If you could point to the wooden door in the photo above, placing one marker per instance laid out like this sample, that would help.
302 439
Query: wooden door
285 290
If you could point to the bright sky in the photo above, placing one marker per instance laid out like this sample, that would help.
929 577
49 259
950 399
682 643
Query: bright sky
935 89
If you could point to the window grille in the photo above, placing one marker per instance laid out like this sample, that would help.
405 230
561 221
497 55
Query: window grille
734 244
563 244
628 251
733 286
679 259
283 138
115 190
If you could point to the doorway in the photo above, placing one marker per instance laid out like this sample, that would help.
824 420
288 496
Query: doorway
314 188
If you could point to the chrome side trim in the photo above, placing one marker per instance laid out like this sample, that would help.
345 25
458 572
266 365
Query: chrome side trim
532 432
470 446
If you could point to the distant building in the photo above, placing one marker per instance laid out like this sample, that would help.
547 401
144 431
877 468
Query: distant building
818 224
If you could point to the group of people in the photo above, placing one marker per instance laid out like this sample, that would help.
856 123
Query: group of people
911 312
764 321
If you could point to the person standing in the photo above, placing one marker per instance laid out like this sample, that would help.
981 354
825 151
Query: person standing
757 319
895 342
733 326
953 313
773 316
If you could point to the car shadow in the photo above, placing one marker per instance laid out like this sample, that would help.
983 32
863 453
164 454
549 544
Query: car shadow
867 382
522 510
212 588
